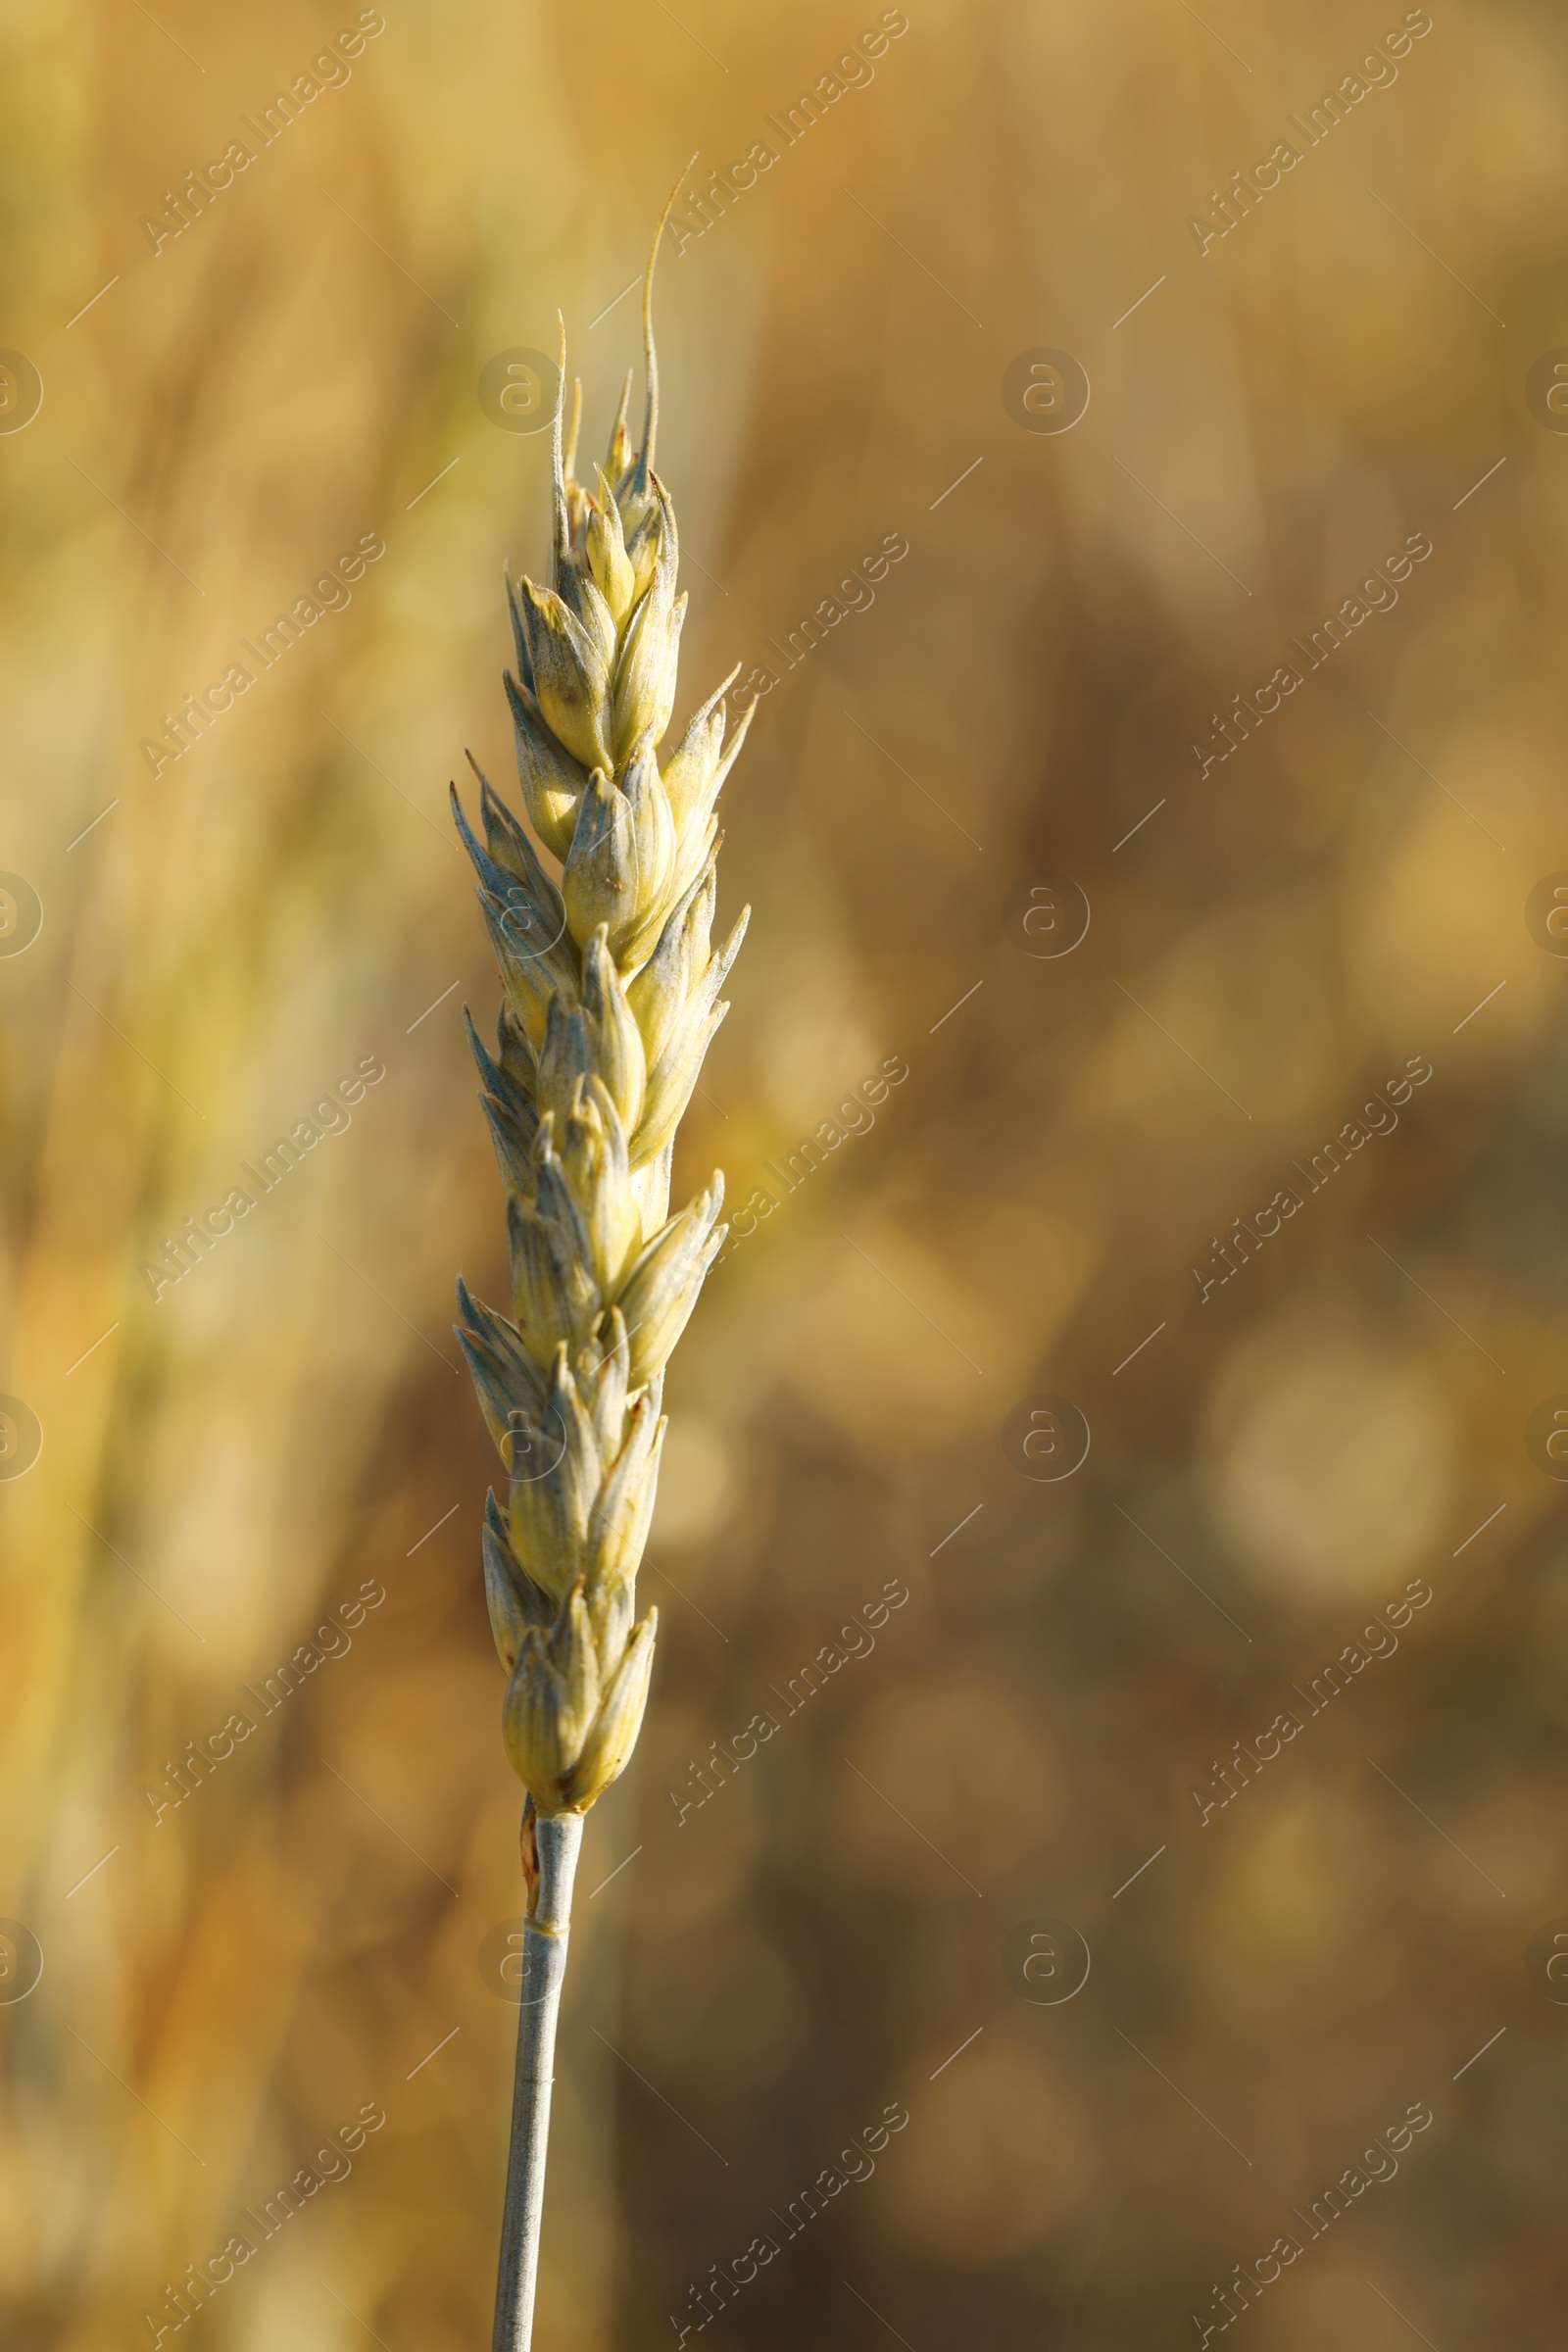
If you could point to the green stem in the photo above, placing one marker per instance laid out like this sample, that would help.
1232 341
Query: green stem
544 1970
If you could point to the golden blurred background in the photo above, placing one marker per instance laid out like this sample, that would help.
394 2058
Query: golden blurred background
1088 1734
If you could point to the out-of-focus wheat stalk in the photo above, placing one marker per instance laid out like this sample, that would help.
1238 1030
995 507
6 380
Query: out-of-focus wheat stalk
610 997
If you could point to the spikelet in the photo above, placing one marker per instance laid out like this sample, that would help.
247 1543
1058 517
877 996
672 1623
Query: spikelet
610 999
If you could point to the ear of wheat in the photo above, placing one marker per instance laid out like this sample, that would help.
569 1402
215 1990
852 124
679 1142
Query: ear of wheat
609 999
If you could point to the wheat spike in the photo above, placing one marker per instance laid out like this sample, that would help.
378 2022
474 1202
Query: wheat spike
611 996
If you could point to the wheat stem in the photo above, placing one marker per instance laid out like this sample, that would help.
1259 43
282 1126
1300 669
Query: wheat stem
543 1972
611 996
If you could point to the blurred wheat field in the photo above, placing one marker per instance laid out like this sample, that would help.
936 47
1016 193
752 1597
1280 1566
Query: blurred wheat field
792 1939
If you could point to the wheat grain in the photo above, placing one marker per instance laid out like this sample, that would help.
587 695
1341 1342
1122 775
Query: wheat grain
610 997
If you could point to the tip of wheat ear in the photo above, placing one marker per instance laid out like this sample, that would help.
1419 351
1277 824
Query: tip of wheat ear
610 997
